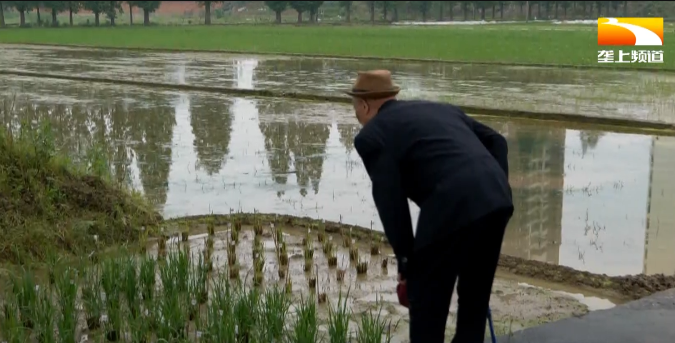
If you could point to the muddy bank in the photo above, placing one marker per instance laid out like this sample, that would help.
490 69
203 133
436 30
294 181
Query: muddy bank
664 128
626 287
375 58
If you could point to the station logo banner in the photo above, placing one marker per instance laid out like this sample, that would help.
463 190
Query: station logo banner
630 32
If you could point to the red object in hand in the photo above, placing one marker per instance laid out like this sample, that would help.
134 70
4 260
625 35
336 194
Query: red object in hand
402 292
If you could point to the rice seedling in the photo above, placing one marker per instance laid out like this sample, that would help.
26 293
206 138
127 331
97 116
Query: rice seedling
340 276
347 240
372 328
52 262
305 324
257 227
332 260
66 290
182 260
211 226
246 309
222 294
130 285
11 329
309 251
278 233
283 249
220 326
231 254
92 298
143 240
172 321
198 279
257 243
322 298
234 235
283 259
167 274
362 267
353 254
385 263
311 282
308 238
282 272
112 319
374 248
234 271
274 310
327 248
208 263
147 278
209 243
94 257
220 323
44 317
161 244
259 262
338 320
193 309
25 290
237 224
308 265
288 286
139 328
321 229
258 279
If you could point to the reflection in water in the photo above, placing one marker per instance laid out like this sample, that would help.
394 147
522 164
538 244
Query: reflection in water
211 124
626 94
660 236
537 160
581 207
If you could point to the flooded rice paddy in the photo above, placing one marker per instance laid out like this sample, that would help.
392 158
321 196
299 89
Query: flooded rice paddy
514 305
606 93
591 200
585 198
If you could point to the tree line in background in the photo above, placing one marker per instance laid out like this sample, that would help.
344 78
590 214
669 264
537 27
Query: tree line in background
447 9
389 10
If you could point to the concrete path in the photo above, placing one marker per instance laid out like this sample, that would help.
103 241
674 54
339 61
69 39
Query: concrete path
648 320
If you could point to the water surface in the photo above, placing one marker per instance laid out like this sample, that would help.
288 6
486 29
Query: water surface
589 199
605 93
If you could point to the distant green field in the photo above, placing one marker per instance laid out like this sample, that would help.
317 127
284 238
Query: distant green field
517 43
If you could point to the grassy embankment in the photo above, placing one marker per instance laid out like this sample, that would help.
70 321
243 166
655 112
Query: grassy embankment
64 214
53 204
515 44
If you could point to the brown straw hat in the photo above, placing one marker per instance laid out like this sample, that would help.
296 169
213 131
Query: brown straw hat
374 84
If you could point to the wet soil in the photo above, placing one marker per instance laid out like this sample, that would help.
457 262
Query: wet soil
627 287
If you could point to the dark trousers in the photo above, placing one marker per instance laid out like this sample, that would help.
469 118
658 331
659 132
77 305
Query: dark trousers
470 255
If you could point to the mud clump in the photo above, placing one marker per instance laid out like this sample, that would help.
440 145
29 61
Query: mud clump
50 205
630 286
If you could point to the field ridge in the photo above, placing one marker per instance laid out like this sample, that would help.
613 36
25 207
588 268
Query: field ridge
619 123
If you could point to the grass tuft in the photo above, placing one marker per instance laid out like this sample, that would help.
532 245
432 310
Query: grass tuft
55 204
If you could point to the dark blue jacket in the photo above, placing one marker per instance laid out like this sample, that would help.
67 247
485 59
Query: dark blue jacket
453 167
